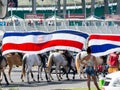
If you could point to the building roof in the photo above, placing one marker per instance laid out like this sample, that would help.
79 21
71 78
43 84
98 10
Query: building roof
52 2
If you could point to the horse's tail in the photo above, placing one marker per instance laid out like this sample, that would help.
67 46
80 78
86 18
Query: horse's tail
77 62
49 62
24 63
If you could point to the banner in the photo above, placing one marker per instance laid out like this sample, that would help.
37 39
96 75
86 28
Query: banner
112 17
103 44
80 16
40 42
34 16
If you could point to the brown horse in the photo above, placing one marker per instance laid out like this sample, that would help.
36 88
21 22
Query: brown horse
15 59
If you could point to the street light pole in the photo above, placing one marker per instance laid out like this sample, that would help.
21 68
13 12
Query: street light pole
84 7
64 8
55 15
33 6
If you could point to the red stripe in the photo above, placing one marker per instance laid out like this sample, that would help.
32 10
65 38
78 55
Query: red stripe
105 37
38 47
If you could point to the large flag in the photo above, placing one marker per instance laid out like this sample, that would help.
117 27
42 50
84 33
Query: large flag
39 42
103 44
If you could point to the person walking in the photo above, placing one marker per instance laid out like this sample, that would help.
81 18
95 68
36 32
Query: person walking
91 65
113 62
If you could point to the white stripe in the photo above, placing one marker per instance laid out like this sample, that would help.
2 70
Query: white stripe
105 34
106 52
35 39
101 42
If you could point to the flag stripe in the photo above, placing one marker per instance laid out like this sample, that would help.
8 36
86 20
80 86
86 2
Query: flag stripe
35 47
105 37
104 44
42 38
8 34
101 42
40 41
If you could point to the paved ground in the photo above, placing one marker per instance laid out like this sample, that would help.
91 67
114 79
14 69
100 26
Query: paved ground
43 85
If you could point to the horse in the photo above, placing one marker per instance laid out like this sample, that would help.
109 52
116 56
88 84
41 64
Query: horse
80 67
31 59
59 60
3 65
15 59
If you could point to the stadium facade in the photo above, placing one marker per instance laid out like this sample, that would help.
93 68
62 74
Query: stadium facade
48 8
51 23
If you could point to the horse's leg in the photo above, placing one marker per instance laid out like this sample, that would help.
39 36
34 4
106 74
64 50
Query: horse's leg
51 76
83 74
1 77
22 74
28 77
73 69
41 72
38 73
56 71
79 71
60 74
5 78
32 75
9 72
45 74
49 73
67 72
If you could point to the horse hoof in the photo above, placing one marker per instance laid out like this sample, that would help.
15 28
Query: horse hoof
22 80
8 84
38 81
80 77
73 78
34 80
29 82
68 79
49 81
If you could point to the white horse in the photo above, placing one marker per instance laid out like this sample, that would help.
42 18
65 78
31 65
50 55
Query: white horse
60 61
80 66
30 60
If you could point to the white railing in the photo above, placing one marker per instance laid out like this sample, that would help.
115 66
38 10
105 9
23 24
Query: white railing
87 29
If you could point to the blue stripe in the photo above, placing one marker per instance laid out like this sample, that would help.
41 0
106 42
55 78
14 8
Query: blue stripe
103 48
8 34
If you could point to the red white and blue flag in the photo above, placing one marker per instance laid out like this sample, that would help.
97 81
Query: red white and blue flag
40 42
103 44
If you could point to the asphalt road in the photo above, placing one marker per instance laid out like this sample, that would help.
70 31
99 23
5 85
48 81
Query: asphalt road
43 85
